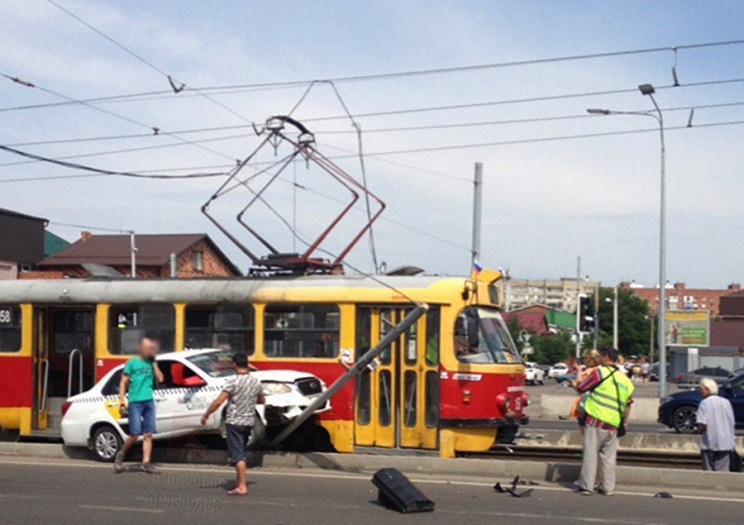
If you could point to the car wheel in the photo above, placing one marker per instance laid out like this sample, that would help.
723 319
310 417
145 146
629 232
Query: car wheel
684 420
542 381
106 443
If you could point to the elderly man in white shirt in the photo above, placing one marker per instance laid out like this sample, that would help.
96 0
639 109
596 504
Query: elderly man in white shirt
715 423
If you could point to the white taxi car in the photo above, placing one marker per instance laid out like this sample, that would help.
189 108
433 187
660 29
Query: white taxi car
192 380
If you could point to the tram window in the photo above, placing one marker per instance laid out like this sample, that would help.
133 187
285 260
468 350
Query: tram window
432 336
410 339
432 399
481 338
364 397
10 328
129 324
364 380
227 327
410 379
73 330
386 324
385 400
302 331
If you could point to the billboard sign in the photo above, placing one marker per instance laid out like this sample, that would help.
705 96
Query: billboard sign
688 328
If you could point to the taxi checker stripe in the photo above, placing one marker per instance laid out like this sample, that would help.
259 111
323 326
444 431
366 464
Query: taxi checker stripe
167 391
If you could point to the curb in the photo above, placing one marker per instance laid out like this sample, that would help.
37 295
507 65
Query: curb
420 465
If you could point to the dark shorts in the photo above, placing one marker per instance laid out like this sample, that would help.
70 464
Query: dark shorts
237 439
141 418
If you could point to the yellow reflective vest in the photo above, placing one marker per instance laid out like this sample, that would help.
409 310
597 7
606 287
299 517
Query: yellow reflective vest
606 402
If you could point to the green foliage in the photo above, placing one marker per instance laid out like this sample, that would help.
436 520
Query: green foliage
633 320
553 348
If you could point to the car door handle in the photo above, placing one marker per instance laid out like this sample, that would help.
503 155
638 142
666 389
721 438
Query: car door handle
159 399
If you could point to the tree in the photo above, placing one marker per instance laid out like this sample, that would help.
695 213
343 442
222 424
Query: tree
634 320
552 348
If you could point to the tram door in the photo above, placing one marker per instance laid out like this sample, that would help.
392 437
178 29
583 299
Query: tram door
397 399
64 360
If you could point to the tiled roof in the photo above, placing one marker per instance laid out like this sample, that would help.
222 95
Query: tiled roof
113 250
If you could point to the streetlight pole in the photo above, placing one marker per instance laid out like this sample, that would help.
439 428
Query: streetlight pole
648 90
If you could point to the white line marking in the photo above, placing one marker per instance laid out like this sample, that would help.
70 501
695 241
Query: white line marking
212 469
123 509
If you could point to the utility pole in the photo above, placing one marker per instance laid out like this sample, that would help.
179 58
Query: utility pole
578 307
133 251
615 320
477 209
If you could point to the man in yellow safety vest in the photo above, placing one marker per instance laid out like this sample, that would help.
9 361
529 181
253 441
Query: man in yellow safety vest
607 408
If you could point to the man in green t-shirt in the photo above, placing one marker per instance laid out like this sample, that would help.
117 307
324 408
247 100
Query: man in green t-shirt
139 379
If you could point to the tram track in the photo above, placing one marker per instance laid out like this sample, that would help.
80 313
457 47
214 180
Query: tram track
630 458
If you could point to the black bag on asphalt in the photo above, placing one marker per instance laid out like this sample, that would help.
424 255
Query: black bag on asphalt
735 462
396 491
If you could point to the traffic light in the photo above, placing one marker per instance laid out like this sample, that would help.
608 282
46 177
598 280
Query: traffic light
586 320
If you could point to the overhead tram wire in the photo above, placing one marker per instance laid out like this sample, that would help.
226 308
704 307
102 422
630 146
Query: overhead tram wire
376 155
394 129
230 89
112 114
171 80
106 172
129 150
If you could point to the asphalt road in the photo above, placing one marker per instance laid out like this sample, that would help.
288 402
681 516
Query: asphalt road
74 492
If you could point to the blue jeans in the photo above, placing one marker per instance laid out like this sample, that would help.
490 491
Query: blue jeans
141 418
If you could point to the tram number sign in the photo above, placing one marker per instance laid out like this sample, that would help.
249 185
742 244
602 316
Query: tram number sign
6 317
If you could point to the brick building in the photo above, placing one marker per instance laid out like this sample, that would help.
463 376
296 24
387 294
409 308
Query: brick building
110 256
679 297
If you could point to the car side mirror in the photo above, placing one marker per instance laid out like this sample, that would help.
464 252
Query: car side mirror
194 381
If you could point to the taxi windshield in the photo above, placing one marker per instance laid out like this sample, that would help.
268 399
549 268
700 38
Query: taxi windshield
215 364
482 338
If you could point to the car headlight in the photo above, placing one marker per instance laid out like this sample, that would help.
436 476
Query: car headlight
273 388
665 400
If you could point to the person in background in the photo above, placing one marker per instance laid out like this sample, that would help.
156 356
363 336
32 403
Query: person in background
244 392
645 370
592 359
715 424
607 410
138 379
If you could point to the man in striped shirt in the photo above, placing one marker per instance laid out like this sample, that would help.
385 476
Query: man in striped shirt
607 409
243 391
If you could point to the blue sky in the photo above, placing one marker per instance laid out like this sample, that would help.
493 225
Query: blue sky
544 202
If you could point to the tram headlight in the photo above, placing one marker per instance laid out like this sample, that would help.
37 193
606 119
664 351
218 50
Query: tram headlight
274 388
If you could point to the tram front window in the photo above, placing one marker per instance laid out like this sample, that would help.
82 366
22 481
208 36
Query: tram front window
482 338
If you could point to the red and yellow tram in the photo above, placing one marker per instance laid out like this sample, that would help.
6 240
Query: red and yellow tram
451 383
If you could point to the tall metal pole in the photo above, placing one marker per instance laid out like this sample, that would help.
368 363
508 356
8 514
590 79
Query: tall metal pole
477 208
615 321
578 307
662 249
133 252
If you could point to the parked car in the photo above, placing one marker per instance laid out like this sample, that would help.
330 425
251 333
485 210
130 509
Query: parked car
193 379
717 374
534 374
558 369
678 410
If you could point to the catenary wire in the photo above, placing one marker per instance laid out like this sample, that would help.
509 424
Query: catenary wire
402 74
394 129
376 155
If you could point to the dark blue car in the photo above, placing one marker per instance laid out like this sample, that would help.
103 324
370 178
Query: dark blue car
678 410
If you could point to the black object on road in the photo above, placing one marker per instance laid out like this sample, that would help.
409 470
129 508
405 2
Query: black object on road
395 491
663 495
513 489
